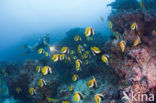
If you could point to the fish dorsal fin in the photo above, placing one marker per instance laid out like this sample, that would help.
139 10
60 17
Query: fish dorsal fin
81 96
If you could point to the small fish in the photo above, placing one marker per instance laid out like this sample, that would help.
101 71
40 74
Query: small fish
86 62
101 18
78 96
89 38
85 45
80 49
3 70
78 63
89 32
55 57
65 50
68 58
18 90
92 83
122 45
86 54
110 25
137 41
3 90
105 59
71 88
65 102
74 57
42 83
142 4
98 98
62 57
38 69
139 33
46 70
47 54
154 32
82 56
95 50
32 91
77 38
75 77
72 52
117 35
51 100
40 51
134 26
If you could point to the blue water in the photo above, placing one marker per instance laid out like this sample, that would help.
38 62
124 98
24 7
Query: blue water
25 21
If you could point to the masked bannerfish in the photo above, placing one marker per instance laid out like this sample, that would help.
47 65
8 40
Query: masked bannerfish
80 49
77 38
38 69
18 90
110 25
32 91
72 52
41 83
82 56
47 54
86 62
89 32
86 54
105 59
92 83
51 100
65 50
78 96
40 51
142 4
62 57
98 98
71 88
46 70
78 63
137 41
74 57
134 26
75 77
122 45
65 102
154 33
55 57
95 50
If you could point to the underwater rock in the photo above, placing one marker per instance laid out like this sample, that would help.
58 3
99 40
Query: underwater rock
137 65
124 5
26 77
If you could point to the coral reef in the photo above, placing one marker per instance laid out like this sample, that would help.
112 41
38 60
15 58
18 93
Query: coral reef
133 69
58 83
121 5
137 65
